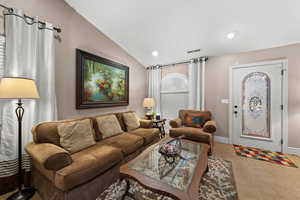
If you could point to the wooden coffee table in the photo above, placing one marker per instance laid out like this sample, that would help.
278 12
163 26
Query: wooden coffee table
179 180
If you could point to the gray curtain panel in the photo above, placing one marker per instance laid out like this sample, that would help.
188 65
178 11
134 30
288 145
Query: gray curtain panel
196 85
154 86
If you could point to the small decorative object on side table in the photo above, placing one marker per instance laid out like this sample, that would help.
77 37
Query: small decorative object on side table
160 124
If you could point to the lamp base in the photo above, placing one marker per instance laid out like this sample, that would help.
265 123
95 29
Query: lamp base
24 194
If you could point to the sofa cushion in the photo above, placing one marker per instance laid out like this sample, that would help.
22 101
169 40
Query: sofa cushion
131 120
47 132
87 164
77 135
121 121
149 134
98 132
145 123
128 143
109 126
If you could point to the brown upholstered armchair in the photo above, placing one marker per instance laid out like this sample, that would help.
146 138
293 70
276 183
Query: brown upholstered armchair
202 132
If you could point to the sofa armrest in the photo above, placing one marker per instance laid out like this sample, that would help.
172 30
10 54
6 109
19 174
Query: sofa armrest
176 123
210 126
146 123
49 156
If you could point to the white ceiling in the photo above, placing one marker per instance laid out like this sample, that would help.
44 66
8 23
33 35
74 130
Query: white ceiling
173 27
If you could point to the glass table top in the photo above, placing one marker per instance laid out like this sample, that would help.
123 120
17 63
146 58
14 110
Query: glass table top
178 174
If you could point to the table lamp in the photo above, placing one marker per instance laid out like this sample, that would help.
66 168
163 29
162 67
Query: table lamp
148 105
19 88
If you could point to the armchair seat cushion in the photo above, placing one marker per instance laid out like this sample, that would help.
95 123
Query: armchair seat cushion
128 143
86 165
191 133
148 134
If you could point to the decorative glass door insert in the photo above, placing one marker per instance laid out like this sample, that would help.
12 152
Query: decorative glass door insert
256 105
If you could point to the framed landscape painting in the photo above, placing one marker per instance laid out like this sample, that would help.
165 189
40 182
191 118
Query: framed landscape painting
100 82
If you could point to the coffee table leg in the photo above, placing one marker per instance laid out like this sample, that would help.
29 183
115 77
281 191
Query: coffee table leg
163 130
126 189
207 169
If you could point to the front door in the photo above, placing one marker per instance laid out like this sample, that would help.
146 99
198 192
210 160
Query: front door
257 106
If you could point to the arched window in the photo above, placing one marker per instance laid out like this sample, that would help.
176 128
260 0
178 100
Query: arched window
174 94
174 82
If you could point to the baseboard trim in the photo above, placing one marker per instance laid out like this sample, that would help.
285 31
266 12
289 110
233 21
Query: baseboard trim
221 139
293 150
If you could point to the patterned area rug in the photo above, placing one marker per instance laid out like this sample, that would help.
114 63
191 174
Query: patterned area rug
259 154
217 184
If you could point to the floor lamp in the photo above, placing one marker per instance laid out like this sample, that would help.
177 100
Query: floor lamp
19 88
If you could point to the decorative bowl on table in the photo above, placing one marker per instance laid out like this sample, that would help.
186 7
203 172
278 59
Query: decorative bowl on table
171 149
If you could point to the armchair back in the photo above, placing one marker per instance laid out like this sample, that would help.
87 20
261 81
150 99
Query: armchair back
182 113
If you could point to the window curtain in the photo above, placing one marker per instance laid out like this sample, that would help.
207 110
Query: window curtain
30 54
196 83
154 86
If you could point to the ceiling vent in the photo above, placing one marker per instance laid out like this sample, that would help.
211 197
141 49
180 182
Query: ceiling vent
193 51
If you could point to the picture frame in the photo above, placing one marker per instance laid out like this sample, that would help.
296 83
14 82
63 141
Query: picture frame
100 82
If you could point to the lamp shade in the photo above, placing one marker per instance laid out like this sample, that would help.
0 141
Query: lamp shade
148 103
18 88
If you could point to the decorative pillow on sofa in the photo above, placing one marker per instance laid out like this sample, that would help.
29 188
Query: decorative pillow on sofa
109 126
131 120
196 120
76 135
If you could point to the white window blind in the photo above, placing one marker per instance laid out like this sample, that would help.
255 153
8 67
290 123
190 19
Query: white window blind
2 62
2 55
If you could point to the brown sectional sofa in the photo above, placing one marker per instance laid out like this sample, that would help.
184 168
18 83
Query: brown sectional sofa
83 175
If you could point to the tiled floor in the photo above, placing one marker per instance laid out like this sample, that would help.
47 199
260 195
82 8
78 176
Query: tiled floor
258 180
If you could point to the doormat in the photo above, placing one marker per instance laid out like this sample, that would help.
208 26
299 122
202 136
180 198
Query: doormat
259 154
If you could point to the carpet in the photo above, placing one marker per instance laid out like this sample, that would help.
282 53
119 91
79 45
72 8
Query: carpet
268 156
217 184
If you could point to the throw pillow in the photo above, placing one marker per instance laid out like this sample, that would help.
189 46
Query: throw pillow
108 125
196 120
77 135
131 120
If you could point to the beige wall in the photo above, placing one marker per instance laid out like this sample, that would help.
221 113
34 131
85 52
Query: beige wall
217 74
78 33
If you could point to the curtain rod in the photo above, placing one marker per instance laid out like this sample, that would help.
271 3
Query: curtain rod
182 62
43 23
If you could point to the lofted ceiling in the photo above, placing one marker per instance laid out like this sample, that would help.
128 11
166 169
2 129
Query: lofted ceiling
173 27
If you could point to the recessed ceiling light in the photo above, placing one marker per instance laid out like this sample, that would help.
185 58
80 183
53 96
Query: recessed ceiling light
231 35
155 53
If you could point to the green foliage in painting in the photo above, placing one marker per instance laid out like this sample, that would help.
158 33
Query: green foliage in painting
103 83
